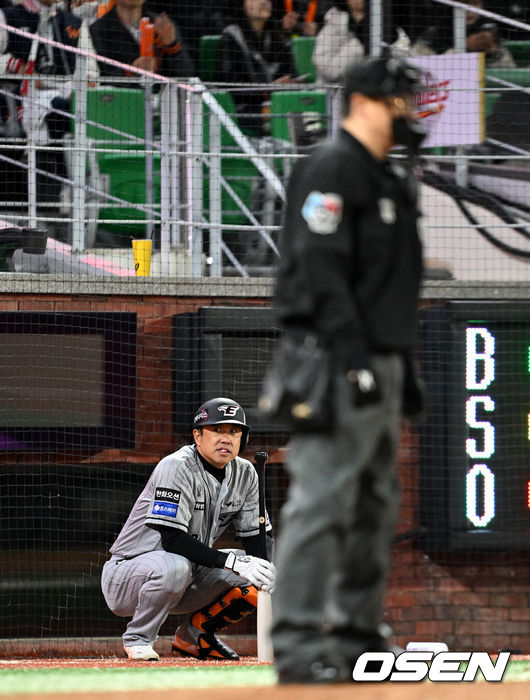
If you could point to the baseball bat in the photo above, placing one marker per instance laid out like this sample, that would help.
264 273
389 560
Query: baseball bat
265 650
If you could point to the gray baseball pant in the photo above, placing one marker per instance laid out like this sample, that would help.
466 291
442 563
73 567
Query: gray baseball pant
151 586
336 527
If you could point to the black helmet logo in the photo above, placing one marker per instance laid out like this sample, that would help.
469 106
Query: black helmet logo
202 415
229 411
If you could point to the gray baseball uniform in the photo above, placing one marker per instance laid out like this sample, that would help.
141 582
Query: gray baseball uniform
144 581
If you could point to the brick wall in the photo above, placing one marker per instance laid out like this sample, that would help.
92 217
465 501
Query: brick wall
468 601
478 601
155 436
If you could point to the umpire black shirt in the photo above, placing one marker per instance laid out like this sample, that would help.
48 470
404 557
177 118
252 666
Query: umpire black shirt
351 255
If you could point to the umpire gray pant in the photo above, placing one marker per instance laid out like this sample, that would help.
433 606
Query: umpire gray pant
336 527
152 585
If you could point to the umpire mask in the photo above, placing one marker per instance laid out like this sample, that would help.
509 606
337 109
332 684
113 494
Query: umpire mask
395 80
409 133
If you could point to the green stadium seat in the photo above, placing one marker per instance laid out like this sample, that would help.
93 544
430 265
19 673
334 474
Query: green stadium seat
490 98
243 176
226 101
520 51
302 50
115 108
519 76
309 104
208 54
250 192
122 109
239 172
507 109
126 173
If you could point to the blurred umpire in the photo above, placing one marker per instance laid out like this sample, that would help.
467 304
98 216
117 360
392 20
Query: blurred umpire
348 285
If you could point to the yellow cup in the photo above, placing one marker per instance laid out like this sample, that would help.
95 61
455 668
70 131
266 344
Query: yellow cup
142 257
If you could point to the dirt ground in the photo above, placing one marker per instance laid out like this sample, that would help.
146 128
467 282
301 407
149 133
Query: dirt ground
363 691
118 662
368 691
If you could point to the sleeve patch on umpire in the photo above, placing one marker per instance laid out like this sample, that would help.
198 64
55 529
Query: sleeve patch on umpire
323 212
167 495
163 508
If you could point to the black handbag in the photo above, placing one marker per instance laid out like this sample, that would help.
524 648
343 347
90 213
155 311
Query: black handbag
297 388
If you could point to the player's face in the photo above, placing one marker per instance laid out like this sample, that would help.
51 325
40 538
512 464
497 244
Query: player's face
218 444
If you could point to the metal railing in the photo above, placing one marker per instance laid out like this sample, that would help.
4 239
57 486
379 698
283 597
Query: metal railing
190 145
189 159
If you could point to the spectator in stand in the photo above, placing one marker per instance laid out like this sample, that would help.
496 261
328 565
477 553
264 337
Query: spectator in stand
300 17
482 35
89 10
205 17
344 39
196 18
413 17
513 9
117 35
45 96
22 56
252 51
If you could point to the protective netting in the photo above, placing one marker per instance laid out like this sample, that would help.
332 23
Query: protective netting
180 123
173 127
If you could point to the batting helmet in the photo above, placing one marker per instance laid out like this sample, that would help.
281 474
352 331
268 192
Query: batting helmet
221 410
382 77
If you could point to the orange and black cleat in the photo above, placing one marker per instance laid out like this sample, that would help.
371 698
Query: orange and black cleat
196 637
208 646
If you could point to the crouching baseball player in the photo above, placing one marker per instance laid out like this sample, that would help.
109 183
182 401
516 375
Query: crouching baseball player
163 561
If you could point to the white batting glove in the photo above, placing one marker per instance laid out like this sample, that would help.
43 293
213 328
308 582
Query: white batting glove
259 572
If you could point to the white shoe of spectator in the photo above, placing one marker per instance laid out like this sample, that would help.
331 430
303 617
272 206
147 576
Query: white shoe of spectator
143 652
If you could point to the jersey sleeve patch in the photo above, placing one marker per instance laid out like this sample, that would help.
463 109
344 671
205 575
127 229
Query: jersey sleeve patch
168 495
163 508
166 502
323 212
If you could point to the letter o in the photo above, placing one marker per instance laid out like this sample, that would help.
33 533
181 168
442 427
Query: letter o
387 660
